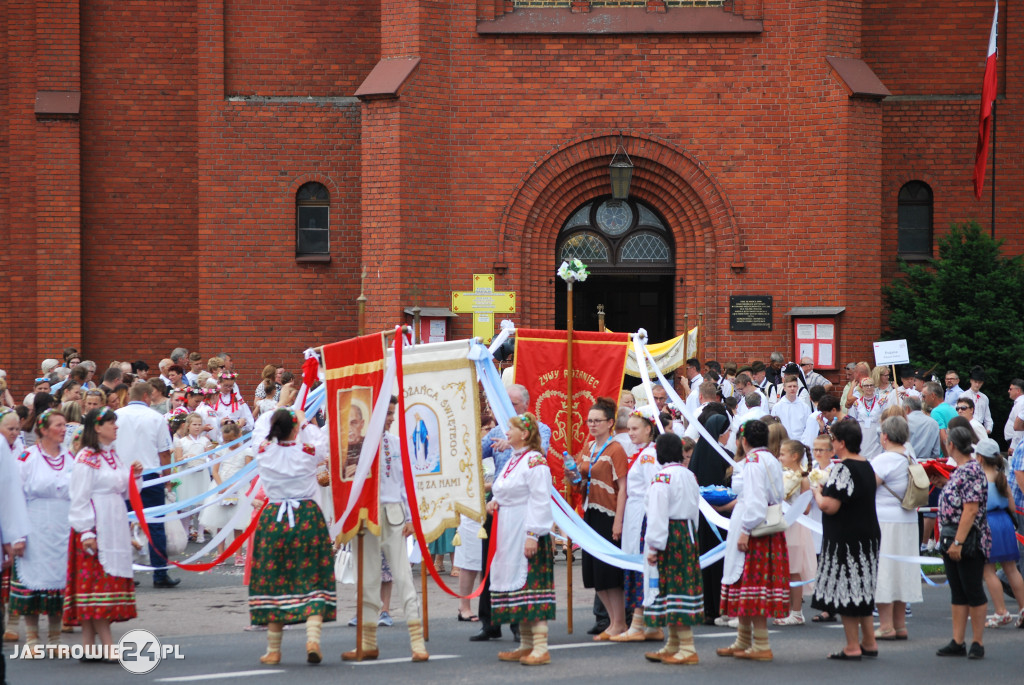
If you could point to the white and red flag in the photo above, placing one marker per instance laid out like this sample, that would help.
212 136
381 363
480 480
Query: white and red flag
988 98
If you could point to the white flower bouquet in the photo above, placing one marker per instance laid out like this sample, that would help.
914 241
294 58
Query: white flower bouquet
572 272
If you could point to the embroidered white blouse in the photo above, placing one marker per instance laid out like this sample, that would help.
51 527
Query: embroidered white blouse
522 491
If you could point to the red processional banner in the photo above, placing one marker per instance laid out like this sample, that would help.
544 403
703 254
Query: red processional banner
354 371
541 365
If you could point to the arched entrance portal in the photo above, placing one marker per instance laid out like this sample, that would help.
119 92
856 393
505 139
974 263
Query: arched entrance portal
628 250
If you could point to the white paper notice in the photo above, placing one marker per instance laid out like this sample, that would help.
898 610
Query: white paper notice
891 352
437 327
826 331
806 350
824 354
805 331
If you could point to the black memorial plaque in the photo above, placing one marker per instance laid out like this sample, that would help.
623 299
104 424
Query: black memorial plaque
750 312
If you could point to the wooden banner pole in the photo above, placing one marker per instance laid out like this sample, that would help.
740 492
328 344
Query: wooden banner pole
359 594
568 447
423 590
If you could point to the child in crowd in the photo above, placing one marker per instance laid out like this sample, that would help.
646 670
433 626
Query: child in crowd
802 562
215 517
193 443
672 510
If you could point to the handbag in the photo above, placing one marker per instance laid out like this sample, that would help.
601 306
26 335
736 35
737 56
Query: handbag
774 520
345 566
969 549
916 494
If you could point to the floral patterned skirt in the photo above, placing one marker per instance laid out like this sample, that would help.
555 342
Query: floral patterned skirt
26 602
91 593
292 567
634 580
680 600
535 601
763 589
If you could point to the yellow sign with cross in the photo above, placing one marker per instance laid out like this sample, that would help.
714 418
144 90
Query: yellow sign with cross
484 303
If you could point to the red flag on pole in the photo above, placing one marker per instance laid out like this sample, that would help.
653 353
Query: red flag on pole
988 97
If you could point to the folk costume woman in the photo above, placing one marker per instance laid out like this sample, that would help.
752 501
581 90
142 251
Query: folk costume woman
230 404
643 467
522 571
604 464
292 577
40 575
672 506
755 584
100 589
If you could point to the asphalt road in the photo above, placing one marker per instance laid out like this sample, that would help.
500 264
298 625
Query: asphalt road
206 616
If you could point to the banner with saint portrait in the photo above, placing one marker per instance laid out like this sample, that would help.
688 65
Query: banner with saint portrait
354 371
541 366
442 420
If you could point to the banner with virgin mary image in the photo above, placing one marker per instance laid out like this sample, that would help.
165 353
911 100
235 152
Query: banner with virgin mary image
442 419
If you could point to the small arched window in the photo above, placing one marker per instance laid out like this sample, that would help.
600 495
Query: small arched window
313 220
915 221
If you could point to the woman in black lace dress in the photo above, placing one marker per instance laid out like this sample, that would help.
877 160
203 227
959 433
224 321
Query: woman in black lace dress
848 569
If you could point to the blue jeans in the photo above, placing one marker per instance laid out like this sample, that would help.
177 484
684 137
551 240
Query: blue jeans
155 496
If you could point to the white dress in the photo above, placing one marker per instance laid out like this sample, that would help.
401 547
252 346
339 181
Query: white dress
47 499
638 480
217 516
869 416
199 482
522 491
99 487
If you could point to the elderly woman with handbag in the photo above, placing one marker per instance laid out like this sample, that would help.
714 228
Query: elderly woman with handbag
755 584
848 569
965 540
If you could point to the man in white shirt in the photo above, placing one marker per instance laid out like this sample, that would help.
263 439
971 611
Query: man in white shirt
982 408
819 421
692 371
744 386
755 410
791 410
395 526
724 384
142 435
1013 431
707 392
965 408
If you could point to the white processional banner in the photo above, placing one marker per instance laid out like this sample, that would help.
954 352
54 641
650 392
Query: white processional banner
442 418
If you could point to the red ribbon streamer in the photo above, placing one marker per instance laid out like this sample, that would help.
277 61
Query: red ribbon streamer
410 489
236 544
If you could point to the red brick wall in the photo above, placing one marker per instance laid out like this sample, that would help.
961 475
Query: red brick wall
139 176
748 144
296 47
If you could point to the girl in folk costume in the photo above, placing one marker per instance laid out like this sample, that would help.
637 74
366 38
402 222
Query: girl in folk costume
603 465
867 410
800 542
643 466
755 585
230 404
192 444
208 410
292 565
37 586
672 506
215 517
522 571
100 589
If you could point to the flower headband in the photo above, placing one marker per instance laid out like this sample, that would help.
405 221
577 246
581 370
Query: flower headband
228 375
104 413
525 420
44 416
295 417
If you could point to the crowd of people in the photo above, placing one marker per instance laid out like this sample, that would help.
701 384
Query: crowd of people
761 436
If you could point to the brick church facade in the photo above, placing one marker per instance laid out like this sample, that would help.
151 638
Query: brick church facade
157 158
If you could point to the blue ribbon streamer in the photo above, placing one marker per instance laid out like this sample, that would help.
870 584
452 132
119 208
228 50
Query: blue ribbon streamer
244 472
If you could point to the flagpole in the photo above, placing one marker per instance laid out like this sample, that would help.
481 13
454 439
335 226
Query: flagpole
568 446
